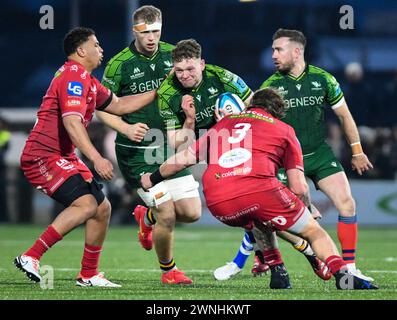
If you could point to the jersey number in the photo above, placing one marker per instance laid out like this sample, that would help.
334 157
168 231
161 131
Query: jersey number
241 132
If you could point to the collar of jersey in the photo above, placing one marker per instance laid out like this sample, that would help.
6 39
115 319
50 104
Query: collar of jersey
300 76
134 50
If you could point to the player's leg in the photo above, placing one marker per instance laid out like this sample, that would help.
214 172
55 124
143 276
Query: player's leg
231 269
337 188
162 206
301 245
267 242
326 250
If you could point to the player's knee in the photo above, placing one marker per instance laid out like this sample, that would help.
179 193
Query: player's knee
166 219
193 215
346 206
87 206
104 210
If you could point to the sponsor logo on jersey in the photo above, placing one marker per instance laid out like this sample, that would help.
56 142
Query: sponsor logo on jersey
236 172
304 101
137 74
84 75
333 163
239 213
93 88
75 88
152 66
239 84
282 91
234 157
73 103
298 86
168 63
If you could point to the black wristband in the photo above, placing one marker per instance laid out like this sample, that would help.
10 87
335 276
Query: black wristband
156 177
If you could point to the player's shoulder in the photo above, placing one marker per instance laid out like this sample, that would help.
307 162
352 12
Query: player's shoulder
71 70
165 46
168 87
117 60
272 80
314 70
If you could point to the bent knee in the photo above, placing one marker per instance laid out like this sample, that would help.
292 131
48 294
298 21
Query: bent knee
104 210
346 206
87 206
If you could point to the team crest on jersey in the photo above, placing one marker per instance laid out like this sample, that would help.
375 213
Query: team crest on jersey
316 85
298 86
212 90
168 63
153 66
198 97
74 68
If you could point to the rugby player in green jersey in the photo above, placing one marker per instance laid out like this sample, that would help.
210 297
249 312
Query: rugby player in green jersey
307 90
139 68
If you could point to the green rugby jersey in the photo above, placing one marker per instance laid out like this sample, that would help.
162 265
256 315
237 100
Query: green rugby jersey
306 97
216 81
130 72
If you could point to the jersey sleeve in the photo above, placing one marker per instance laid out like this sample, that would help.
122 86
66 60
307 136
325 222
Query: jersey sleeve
334 95
72 94
112 76
293 158
104 96
168 102
233 83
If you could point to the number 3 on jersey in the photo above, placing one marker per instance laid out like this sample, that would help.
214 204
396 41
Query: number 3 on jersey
241 130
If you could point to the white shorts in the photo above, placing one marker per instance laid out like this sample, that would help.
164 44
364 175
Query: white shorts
172 189
303 220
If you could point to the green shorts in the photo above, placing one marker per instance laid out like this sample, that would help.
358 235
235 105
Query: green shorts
134 162
318 165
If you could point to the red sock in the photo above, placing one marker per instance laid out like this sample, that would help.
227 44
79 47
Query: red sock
44 242
90 261
347 235
334 263
272 257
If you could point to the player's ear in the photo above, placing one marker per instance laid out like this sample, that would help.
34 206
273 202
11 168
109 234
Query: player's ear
202 64
80 52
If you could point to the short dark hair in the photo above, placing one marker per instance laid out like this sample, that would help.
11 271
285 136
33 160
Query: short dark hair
293 35
186 49
269 100
148 14
74 38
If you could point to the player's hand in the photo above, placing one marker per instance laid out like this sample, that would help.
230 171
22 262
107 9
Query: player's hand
360 163
136 132
188 107
103 167
145 181
220 114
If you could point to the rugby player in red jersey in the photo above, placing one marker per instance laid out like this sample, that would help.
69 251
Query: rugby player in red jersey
51 165
244 153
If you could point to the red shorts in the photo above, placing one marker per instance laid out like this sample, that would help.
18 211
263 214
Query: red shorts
48 173
279 206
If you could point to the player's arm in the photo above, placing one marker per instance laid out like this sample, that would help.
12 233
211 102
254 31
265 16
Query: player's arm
129 104
360 161
293 164
181 138
79 136
134 132
172 166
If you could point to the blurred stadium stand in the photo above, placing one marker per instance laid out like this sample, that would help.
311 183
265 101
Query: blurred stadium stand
234 35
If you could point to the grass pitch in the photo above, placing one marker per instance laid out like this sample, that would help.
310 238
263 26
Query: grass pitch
198 251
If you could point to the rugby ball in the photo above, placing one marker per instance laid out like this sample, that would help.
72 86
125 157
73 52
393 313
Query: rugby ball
230 103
